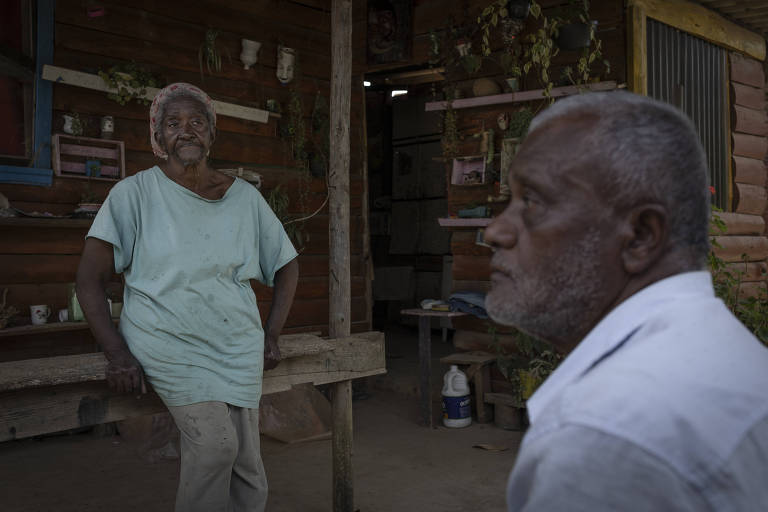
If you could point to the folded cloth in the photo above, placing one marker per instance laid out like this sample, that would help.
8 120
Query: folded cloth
468 302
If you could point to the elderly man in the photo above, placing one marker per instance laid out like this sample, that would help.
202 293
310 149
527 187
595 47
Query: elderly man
661 403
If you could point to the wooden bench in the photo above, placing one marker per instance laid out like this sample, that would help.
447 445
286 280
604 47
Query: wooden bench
478 372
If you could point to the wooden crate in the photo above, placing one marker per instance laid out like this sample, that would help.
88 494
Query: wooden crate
70 154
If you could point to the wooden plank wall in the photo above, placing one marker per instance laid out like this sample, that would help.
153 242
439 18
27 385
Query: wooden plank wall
164 37
747 233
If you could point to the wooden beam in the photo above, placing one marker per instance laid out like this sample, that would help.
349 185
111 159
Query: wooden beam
90 81
517 97
742 224
43 90
704 23
339 279
46 395
731 248
636 48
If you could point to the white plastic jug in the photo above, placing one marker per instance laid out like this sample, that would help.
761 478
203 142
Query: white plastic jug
457 412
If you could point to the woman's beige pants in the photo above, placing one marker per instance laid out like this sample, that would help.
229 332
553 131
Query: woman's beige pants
221 468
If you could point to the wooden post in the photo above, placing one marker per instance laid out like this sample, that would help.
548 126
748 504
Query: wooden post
425 370
339 279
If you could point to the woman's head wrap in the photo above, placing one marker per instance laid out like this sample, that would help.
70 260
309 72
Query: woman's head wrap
157 110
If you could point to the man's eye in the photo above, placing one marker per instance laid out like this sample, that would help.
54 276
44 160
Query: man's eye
528 198
173 124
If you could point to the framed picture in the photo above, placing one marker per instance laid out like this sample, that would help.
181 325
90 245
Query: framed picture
468 170
390 31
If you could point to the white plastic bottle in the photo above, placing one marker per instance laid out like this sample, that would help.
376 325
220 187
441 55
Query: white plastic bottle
457 412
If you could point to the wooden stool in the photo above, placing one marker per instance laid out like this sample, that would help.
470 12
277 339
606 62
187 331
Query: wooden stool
480 374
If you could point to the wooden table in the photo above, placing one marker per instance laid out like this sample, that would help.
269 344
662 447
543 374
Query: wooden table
425 357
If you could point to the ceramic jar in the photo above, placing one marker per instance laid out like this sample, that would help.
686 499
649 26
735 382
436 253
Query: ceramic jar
250 53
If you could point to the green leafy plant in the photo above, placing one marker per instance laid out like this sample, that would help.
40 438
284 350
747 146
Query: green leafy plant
78 124
450 139
471 63
539 52
531 362
6 312
752 311
209 53
495 13
279 201
129 82
519 121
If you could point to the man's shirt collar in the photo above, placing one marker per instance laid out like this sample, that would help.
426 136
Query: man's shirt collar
615 329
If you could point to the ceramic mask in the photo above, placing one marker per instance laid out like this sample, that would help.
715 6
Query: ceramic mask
503 121
286 58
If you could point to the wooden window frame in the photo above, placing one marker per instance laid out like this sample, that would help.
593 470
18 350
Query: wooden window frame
695 20
40 173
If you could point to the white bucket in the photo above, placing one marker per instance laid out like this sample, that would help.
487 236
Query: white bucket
457 412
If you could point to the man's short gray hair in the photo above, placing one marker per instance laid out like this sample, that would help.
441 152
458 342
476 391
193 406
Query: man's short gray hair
646 151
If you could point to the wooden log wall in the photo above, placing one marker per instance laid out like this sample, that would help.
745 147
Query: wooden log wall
164 38
746 234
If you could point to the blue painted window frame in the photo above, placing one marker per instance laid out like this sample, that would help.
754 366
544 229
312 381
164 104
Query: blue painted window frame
40 173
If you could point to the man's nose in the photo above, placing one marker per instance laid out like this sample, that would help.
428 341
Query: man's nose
500 233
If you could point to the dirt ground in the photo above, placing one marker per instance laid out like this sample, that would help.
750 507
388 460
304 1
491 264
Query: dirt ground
398 465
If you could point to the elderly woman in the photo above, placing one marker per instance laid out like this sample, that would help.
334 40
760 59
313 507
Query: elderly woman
188 240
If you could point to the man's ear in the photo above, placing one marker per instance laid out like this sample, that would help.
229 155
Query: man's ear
646 235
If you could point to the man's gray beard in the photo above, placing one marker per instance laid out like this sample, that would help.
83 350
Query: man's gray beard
560 300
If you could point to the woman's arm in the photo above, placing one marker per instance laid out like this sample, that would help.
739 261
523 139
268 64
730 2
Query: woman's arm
282 299
97 265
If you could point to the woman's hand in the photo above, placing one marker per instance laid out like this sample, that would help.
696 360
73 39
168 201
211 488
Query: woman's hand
124 374
271 352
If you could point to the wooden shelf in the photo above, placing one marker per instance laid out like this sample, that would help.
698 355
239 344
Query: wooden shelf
42 222
464 223
517 97
45 328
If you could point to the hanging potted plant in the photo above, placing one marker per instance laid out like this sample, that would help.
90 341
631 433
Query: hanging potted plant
576 29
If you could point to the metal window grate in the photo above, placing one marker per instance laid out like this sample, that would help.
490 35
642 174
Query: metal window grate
690 73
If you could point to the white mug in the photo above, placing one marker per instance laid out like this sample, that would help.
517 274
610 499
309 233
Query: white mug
63 315
39 314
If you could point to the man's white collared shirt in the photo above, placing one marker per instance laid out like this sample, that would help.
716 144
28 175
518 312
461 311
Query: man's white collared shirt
662 406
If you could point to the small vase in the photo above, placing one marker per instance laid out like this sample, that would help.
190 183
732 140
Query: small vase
107 126
68 128
513 83
250 53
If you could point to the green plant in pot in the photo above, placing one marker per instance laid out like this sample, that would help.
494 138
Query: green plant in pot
209 53
513 72
129 82
576 29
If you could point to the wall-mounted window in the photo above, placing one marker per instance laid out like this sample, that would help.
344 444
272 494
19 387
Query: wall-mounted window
17 78
690 73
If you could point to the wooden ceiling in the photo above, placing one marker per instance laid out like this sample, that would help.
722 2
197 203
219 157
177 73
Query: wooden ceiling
751 14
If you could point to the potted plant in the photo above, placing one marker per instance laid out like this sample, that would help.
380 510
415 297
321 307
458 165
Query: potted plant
6 312
576 29
89 202
210 53
129 82
509 61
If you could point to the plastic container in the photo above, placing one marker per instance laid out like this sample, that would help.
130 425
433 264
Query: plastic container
457 412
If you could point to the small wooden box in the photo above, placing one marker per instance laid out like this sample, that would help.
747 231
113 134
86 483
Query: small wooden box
71 153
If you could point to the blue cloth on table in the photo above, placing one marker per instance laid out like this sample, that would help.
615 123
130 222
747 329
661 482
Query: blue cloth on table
468 302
